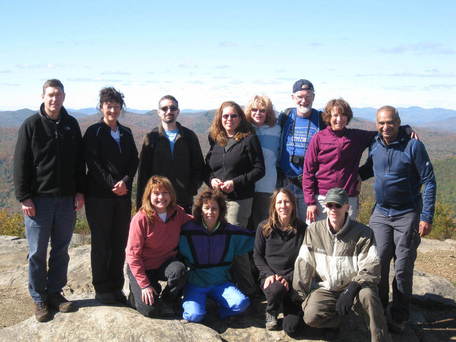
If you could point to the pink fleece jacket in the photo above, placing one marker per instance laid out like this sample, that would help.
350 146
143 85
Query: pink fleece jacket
150 244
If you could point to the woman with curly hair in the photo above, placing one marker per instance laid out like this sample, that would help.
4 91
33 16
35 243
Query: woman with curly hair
152 248
233 164
277 244
208 245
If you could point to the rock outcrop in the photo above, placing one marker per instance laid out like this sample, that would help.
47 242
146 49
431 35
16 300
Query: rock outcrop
434 301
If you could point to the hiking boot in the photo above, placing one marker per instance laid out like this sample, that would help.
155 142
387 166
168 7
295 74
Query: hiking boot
394 325
271 321
331 334
42 313
60 303
107 298
168 309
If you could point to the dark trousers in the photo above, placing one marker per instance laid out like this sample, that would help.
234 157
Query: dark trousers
109 221
276 296
396 237
260 209
173 271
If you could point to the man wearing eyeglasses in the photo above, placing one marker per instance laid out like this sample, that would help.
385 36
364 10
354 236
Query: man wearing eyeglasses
299 124
338 256
173 151
402 214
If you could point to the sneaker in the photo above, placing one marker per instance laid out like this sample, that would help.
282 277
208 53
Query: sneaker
60 303
271 321
107 298
42 313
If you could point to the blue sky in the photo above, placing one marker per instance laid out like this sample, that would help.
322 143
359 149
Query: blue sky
370 53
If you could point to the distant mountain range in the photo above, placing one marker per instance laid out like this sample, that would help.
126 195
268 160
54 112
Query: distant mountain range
433 118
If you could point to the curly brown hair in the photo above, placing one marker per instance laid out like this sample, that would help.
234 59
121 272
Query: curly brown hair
204 197
341 105
218 133
156 183
261 102
273 218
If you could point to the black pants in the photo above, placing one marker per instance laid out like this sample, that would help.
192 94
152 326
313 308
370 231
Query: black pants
277 295
109 222
173 271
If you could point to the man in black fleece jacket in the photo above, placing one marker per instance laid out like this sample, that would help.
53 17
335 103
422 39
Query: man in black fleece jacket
49 182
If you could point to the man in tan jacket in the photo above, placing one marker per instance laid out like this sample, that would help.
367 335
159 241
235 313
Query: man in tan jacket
338 267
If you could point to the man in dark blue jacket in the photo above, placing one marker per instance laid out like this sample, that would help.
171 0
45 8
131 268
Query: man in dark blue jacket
402 213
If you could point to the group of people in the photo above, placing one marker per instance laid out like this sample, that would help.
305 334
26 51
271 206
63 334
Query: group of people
278 214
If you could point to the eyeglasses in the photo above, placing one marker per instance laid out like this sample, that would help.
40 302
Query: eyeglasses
333 205
231 116
171 108
258 110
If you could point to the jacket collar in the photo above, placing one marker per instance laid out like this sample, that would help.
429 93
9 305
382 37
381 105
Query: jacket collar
161 131
62 116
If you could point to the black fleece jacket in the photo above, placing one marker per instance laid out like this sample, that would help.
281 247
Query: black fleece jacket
241 161
48 159
276 254
107 162
184 167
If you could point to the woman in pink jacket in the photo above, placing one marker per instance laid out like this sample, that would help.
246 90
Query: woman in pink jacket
152 248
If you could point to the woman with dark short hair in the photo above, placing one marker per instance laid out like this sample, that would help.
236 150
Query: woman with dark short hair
152 248
208 245
277 244
233 164
112 158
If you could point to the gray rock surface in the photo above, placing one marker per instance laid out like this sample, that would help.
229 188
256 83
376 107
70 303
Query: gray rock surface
94 322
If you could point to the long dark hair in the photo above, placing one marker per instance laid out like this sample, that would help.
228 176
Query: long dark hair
273 218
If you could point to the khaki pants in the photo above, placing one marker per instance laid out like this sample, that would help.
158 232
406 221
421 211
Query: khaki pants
238 213
320 311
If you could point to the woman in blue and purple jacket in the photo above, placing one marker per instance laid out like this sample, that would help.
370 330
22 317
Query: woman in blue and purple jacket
208 245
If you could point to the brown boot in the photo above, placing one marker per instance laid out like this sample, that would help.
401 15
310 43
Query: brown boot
60 303
42 313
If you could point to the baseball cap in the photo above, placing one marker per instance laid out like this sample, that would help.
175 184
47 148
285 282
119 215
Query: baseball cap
336 195
302 85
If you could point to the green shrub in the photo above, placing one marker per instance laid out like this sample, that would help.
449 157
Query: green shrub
444 226
11 223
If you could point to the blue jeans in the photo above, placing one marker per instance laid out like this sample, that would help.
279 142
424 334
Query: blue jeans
54 219
230 299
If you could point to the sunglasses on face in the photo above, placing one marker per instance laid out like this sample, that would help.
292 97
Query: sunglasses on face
231 116
171 108
258 110
333 205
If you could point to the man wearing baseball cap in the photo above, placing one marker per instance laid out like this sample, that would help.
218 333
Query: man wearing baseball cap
339 255
298 124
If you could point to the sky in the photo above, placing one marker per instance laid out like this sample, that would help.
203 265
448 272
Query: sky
370 53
